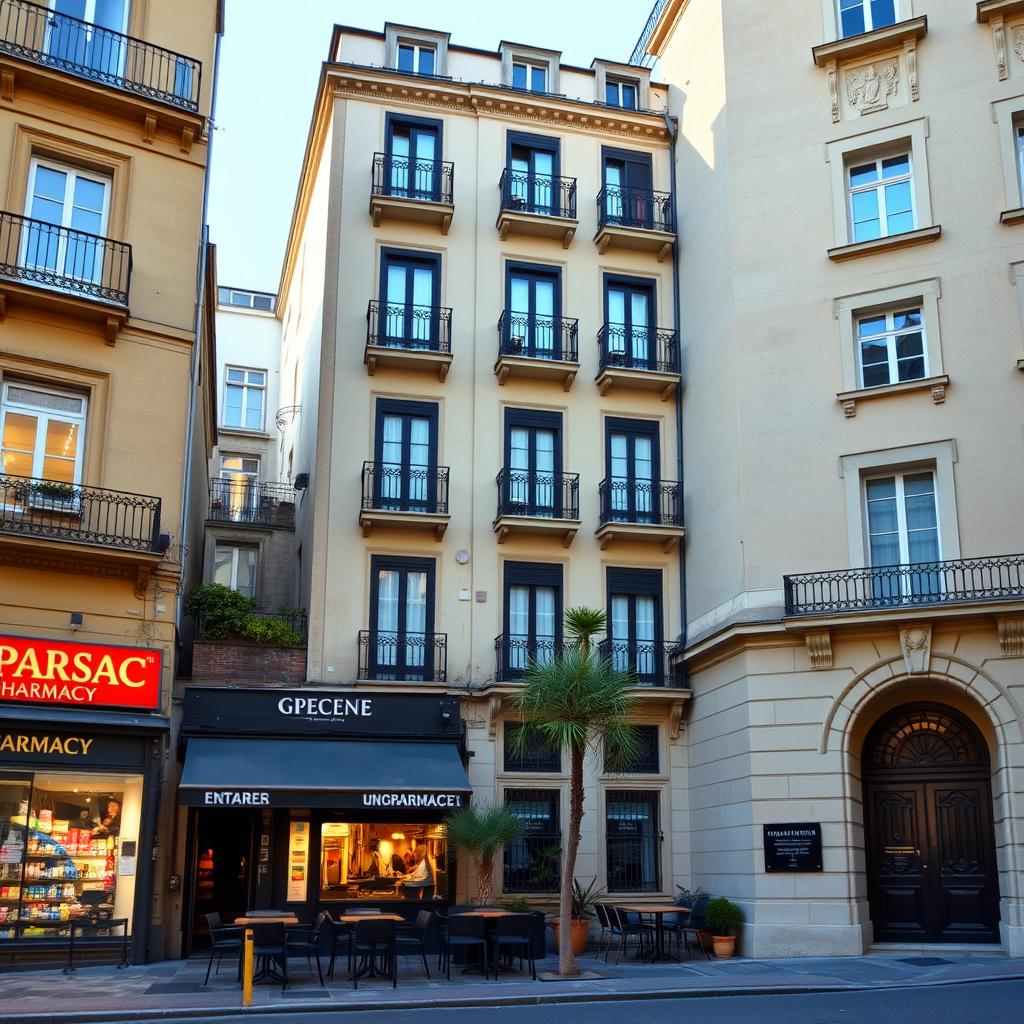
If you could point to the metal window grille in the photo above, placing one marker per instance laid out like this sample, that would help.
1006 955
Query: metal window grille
533 862
645 760
538 757
633 836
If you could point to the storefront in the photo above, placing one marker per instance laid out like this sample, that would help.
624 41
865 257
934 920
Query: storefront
310 799
79 784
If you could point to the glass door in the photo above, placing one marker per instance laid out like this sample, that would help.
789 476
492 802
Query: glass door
532 182
411 303
412 162
627 188
634 629
534 323
632 476
401 628
534 484
629 320
72 36
406 475
531 625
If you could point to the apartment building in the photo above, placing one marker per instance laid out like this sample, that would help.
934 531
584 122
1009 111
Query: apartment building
104 135
850 211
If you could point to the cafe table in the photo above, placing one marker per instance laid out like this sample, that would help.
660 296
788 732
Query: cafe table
487 915
659 911
351 920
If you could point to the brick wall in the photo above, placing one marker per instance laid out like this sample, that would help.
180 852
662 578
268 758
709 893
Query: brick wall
247 664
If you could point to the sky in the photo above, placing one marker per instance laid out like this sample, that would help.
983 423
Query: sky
271 55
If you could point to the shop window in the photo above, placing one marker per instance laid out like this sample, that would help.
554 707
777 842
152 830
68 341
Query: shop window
644 759
633 840
538 756
41 433
68 851
383 861
532 863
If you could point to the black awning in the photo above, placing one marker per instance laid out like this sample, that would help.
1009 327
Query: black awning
322 773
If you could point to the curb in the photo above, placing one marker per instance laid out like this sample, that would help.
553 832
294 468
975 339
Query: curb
219 1013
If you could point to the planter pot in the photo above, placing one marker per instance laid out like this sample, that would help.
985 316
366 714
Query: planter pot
724 945
580 932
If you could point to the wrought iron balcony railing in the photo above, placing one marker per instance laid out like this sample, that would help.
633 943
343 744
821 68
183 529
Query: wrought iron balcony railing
64 260
522 192
401 177
638 348
249 502
646 502
635 208
33 507
649 662
420 328
391 655
514 653
956 581
395 487
36 33
294 618
545 495
538 337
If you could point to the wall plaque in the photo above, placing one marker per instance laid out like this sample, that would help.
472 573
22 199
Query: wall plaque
795 846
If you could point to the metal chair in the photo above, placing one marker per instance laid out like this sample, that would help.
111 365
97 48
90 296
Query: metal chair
414 938
511 934
465 932
606 927
225 940
695 925
270 947
631 925
373 939
310 941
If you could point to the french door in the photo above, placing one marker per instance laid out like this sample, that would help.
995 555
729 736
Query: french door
634 622
627 189
411 289
72 36
532 179
534 477
533 615
412 158
406 457
632 472
630 317
534 307
401 626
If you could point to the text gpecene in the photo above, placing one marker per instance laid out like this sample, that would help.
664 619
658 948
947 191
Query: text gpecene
339 707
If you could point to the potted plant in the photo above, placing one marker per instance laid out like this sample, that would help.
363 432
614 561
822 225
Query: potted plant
583 901
53 496
723 917
481 831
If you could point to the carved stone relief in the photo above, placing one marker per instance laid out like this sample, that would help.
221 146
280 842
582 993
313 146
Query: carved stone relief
868 88
916 644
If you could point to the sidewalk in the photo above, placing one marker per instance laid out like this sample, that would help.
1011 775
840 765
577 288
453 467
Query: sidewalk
175 988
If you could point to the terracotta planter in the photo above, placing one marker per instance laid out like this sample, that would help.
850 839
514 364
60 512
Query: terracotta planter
580 932
724 945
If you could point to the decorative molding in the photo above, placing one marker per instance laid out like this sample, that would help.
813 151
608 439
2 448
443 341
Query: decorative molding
832 73
849 408
1017 40
1011 635
149 128
938 393
819 648
493 715
869 87
910 51
916 645
675 718
3 306
188 136
7 85
999 39
936 385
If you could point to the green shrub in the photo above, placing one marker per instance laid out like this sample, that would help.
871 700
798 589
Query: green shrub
723 916
275 632
519 905
226 614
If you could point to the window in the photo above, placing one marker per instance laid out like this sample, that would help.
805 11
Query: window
634 840
401 618
635 623
857 16
632 470
881 198
532 863
627 197
416 59
891 348
533 463
405 454
234 566
620 94
413 151
629 315
533 166
410 297
244 393
41 433
645 759
236 495
262 301
70 41
538 756
532 615
532 77
533 298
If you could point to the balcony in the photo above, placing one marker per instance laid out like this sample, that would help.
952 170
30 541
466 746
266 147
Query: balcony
244 501
537 503
635 219
514 653
538 205
51 524
387 655
415 191
537 348
641 510
640 358
67 271
960 581
405 337
406 497
55 42
649 662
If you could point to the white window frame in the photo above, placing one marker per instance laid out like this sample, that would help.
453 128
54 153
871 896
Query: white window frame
902 530
235 548
879 186
239 298
246 387
618 83
417 50
43 416
898 6
890 336
530 66
531 57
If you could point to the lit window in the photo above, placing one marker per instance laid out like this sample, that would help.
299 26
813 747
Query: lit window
234 566
532 77
857 16
41 433
620 94
244 398
881 195
416 59
891 347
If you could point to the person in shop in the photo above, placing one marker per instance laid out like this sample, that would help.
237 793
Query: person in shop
409 860
86 822
110 825
421 876
397 864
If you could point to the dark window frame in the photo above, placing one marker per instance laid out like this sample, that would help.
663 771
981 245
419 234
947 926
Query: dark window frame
634 428
535 272
390 256
634 583
634 158
652 797
403 407
530 574
532 761
411 123
535 419
539 143
402 563
631 769
510 877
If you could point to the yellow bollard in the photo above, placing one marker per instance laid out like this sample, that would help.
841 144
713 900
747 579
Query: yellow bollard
247 967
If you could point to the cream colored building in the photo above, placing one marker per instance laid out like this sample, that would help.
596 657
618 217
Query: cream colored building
849 214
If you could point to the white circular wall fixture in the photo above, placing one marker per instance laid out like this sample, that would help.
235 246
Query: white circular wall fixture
462 556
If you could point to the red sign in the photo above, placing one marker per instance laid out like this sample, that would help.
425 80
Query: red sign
85 675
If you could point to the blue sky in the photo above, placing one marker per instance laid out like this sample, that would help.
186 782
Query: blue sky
270 61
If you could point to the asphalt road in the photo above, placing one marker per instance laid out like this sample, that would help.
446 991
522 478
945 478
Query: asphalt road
947 1004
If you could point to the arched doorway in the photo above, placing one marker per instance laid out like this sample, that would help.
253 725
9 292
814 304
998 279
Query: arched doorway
928 820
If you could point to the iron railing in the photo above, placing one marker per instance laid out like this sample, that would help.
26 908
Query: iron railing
522 492
241 499
38 34
34 507
646 502
66 260
522 192
538 337
640 56
538 756
633 836
649 662
396 487
533 861
408 656
638 348
956 581
635 208
515 653
399 325
644 758
401 177
294 618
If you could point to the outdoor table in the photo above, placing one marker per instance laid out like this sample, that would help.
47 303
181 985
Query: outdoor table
350 920
658 910
487 915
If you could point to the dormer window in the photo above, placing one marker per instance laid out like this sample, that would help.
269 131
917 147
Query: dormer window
531 77
618 93
416 59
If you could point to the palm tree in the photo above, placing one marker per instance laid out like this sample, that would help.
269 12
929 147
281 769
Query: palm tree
481 831
578 700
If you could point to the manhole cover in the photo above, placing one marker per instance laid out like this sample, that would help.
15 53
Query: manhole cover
925 961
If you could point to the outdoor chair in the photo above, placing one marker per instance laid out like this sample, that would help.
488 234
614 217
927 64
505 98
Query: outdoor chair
372 940
269 948
695 925
342 944
311 941
606 928
413 939
466 933
225 941
513 935
631 925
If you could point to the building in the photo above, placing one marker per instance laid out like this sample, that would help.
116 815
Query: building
104 123
852 343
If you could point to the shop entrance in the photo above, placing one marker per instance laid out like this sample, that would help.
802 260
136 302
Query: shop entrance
930 841
223 859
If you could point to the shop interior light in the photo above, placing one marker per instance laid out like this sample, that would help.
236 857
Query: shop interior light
397 835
